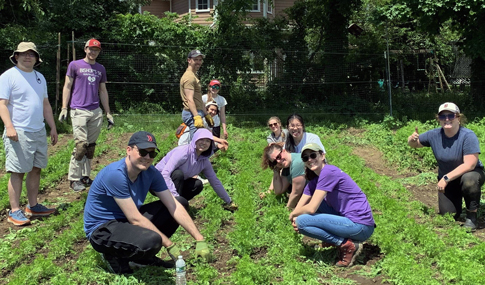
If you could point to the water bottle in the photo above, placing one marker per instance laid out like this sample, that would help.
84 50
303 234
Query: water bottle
180 271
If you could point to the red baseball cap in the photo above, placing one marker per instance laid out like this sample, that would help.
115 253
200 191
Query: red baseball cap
93 43
214 82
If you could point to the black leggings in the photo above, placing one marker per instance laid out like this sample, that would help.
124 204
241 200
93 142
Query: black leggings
121 239
468 186
188 188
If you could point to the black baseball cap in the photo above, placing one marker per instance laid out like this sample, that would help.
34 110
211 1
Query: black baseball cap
143 140
195 53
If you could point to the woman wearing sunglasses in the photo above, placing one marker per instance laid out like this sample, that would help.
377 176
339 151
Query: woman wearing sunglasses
213 95
183 164
332 208
460 172
278 134
288 170
298 137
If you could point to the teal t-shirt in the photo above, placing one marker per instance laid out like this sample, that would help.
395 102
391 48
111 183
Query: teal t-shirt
297 168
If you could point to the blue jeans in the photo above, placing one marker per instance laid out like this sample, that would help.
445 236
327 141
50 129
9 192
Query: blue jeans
326 225
188 119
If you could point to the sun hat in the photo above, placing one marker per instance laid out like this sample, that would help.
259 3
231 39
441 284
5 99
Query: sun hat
23 47
311 146
448 106
195 53
143 140
214 82
211 103
93 43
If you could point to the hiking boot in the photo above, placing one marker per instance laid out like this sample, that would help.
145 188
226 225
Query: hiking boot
152 261
38 210
77 186
116 265
86 181
18 218
348 251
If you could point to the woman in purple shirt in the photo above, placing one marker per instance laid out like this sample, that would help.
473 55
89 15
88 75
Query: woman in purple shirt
332 208
183 163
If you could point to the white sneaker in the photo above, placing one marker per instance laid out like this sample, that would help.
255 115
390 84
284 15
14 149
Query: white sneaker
204 181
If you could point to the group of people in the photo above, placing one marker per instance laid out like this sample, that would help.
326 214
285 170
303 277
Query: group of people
324 202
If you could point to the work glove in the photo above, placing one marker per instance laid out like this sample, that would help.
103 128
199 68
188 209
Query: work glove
173 251
209 120
63 115
198 123
202 250
231 206
111 121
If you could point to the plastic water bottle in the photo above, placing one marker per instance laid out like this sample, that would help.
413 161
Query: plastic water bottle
180 271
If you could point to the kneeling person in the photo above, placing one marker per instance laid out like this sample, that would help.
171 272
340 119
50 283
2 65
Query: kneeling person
117 223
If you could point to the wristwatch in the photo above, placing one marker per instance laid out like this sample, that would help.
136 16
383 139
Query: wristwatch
446 178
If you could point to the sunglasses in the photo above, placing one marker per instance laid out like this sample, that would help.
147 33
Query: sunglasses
312 155
216 87
144 152
273 125
275 161
447 116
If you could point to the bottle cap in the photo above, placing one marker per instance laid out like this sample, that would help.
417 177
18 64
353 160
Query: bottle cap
180 256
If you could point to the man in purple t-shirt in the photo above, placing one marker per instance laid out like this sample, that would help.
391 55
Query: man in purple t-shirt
86 82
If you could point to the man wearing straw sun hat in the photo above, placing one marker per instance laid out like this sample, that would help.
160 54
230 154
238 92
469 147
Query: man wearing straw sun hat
24 106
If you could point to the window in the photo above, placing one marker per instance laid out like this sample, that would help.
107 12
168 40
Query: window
202 6
255 6
270 6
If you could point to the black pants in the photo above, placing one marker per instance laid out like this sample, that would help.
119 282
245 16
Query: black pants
188 188
121 239
467 187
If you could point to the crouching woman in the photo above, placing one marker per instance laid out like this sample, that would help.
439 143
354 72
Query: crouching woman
332 208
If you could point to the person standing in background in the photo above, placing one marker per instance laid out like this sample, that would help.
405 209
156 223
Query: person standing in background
220 119
86 82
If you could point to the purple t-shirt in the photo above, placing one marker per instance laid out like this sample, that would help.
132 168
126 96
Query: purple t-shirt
343 195
85 87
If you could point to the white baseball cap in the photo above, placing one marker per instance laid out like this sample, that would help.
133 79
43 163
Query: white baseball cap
448 106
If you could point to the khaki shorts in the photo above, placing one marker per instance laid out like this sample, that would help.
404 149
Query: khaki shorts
28 152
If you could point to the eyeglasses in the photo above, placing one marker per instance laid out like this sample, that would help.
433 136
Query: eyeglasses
28 54
447 116
295 126
216 87
273 125
312 155
144 152
278 157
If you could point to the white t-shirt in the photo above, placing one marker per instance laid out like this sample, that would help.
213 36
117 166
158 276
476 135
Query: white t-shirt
25 92
309 138
221 102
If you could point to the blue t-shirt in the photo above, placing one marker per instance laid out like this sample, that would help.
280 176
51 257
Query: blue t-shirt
113 181
449 152
343 195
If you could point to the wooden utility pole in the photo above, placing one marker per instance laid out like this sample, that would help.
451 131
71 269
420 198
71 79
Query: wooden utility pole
58 69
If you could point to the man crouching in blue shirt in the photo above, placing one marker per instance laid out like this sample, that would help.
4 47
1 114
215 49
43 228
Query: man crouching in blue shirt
118 225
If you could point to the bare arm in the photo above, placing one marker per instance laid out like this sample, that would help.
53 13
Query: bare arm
222 115
66 91
311 207
298 183
7 121
413 139
189 94
469 163
49 118
103 96
280 183
179 213
137 219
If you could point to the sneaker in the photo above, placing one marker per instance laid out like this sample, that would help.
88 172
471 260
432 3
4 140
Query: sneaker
469 225
152 261
77 186
18 218
86 181
204 181
38 210
348 253
116 265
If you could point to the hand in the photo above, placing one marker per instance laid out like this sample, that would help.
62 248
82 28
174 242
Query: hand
415 135
111 121
63 115
295 227
12 134
209 120
53 136
231 206
223 145
198 122
225 134
173 251
202 250
442 185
